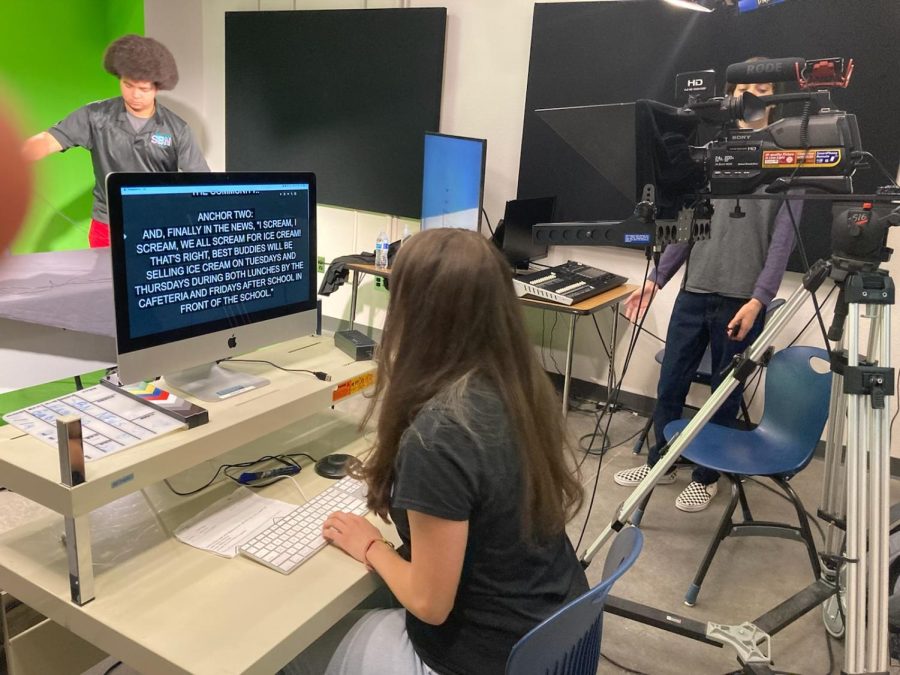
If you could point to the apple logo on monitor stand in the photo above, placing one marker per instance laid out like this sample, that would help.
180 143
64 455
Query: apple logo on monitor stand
232 342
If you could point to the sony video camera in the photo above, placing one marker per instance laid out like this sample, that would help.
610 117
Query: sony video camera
651 152
818 149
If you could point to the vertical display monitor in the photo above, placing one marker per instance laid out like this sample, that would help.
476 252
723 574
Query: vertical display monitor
207 266
453 181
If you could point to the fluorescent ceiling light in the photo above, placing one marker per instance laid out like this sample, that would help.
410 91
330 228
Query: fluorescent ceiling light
692 4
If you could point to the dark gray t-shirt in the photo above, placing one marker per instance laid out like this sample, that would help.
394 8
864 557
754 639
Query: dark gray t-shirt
508 585
164 143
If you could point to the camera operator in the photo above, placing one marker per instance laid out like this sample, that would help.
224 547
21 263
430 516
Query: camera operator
729 280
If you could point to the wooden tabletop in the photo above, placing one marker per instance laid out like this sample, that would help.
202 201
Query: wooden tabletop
588 306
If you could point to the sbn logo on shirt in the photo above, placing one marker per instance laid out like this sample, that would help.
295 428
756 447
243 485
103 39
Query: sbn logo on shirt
165 140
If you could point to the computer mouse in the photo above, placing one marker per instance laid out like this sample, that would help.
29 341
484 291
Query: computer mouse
336 465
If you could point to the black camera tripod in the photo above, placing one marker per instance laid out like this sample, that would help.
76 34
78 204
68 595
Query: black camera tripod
855 499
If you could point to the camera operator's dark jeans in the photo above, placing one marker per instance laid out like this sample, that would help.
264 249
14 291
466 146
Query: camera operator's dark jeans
698 320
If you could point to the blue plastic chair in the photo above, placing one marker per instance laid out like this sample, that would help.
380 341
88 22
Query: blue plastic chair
794 415
568 641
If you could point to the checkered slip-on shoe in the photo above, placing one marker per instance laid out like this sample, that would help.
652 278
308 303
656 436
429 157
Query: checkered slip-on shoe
632 477
696 496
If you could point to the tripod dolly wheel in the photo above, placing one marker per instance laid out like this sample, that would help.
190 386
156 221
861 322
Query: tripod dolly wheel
835 608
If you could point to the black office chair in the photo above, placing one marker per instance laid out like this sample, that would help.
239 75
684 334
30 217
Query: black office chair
702 376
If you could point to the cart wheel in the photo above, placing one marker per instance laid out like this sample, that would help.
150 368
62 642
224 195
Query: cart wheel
835 608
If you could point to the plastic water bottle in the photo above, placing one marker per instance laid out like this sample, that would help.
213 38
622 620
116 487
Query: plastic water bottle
406 234
381 251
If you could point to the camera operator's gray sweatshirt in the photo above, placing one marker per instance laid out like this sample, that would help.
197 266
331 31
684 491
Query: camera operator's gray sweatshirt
744 257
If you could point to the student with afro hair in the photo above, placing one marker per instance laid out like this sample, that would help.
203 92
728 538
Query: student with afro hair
132 132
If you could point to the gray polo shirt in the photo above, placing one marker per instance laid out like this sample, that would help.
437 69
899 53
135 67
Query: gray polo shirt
165 143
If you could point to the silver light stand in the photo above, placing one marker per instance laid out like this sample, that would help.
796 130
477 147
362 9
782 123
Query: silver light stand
865 494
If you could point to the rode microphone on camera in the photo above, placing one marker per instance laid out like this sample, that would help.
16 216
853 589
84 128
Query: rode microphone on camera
766 70
830 72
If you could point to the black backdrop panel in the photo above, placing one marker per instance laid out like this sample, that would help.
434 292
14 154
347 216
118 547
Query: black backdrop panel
346 94
585 53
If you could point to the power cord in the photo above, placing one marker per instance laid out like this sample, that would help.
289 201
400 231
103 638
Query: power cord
319 374
612 401
112 668
487 220
869 155
550 346
645 330
607 444
618 665
896 388
286 459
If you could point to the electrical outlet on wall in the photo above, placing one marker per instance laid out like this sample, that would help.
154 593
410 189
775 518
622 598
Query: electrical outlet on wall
320 264
380 285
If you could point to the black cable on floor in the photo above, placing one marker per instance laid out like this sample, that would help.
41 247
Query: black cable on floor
621 667
112 667
606 443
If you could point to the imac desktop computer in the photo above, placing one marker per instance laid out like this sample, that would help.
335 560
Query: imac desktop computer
453 181
207 266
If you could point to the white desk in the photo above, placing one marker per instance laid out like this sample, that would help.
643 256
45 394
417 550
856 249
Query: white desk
161 606
56 316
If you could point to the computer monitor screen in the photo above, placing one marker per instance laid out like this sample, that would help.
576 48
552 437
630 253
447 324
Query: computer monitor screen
518 218
207 266
453 181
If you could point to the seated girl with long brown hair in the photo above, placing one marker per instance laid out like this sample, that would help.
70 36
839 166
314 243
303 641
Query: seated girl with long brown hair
470 464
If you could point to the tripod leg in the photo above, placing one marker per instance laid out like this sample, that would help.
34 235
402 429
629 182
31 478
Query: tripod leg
854 656
715 401
834 493
867 493
877 659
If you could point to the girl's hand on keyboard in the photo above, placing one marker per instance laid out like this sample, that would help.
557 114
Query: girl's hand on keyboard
350 533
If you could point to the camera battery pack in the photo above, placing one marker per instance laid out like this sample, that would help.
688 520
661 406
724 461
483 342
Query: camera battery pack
354 344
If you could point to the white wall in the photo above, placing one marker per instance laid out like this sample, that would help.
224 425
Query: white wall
485 75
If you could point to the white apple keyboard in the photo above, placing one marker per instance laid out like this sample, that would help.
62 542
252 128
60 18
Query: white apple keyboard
293 539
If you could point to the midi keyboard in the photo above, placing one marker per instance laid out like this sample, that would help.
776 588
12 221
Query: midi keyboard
567 284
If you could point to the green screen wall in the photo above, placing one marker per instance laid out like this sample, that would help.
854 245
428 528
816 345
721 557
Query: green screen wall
51 55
